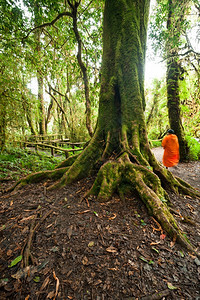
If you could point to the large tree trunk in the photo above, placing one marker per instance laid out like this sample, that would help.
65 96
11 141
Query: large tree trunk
119 151
173 74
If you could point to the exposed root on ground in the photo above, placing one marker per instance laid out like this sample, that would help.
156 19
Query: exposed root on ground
128 171
37 177
122 176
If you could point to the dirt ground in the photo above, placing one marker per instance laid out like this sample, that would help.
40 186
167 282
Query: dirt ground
82 249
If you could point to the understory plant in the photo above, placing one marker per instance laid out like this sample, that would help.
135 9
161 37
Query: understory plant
17 162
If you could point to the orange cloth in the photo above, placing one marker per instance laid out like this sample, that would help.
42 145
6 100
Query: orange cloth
171 150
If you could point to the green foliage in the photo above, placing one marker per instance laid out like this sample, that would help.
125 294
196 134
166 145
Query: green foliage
15 261
194 148
155 143
16 162
156 109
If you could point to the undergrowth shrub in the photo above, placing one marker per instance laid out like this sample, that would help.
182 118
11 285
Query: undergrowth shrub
17 162
194 146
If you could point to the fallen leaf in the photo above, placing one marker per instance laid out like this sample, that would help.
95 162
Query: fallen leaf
69 231
28 271
181 253
156 250
36 279
85 260
15 261
45 282
155 243
113 217
3 282
171 287
111 249
83 212
131 262
144 259
69 273
50 295
91 244
162 236
98 282
9 252
54 249
173 242
130 273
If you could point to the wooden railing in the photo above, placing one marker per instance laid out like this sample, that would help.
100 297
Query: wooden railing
53 142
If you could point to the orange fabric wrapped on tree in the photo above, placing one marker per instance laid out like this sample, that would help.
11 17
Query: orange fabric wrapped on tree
171 149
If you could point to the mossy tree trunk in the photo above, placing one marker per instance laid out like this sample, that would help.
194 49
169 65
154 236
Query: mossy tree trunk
174 72
119 152
173 104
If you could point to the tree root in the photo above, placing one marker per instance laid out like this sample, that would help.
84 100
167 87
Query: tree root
37 177
114 176
127 172
84 164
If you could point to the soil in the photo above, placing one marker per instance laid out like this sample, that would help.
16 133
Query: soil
82 249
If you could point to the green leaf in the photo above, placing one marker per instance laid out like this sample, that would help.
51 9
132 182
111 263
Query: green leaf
163 199
151 262
155 249
2 227
4 280
37 279
96 214
143 222
91 244
15 261
144 259
171 287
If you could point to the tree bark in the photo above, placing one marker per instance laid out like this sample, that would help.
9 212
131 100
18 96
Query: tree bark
3 121
82 67
40 80
173 76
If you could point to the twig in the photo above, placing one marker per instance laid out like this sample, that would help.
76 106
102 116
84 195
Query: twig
26 252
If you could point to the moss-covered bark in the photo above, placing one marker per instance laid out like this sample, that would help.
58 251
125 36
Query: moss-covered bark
174 73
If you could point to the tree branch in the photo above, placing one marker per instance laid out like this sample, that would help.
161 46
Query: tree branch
59 93
54 98
65 13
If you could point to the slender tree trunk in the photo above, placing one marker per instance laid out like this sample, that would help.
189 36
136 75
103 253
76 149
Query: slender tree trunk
173 75
83 68
42 127
2 122
40 80
27 110
154 107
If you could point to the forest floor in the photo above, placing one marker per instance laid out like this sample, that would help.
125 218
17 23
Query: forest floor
88 250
